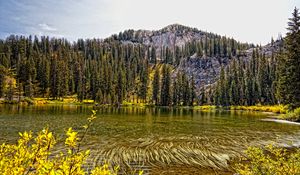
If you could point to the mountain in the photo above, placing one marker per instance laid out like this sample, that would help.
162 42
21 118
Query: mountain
122 66
205 68
170 36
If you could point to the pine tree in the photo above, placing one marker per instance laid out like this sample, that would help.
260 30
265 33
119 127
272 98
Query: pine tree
248 87
222 88
119 88
3 72
43 75
262 78
10 90
53 78
234 86
192 91
30 76
289 73
203 99
165 93
144 83
175 93
156 87
153 55
99 97
186 94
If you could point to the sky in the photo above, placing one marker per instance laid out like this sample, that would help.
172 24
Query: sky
253 21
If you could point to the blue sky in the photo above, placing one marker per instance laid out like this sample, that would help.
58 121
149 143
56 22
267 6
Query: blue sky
252 21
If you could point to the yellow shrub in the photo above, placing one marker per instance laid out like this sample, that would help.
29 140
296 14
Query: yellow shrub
32 155
280 109
205 107
269 161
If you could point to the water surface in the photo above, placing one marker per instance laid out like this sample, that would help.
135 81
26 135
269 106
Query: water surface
154 139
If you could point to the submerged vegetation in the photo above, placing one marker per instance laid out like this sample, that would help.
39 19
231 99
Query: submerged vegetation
122 70
114 72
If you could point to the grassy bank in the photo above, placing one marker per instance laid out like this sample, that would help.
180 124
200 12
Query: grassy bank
72 100
279 109
285 114
292 115
206 107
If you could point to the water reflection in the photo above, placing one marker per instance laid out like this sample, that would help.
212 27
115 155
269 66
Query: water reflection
153 137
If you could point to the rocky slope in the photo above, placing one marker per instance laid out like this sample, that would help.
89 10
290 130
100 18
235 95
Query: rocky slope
170 36
204 69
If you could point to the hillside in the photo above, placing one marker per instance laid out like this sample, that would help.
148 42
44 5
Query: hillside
117 68
205 68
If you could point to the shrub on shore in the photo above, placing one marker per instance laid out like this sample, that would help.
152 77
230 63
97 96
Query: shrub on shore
33 155
293 115
269 160
280 109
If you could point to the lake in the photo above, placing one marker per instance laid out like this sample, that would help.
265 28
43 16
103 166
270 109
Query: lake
157 140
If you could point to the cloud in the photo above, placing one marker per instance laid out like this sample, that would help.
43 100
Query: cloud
47 27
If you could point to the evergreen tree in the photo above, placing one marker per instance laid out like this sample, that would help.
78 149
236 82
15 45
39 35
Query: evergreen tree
175 93
222 91
3 72
119 88
99 97
153 55
203 99
263 82
156 87
144 83
185 90
165 93
192 91
289 70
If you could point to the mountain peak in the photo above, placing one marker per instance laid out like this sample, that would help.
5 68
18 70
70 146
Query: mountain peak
177 27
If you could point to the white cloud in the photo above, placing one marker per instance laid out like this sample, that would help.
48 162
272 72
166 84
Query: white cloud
254 21
47 27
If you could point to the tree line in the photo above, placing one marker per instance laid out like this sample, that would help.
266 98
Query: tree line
264 80
112 71
108 71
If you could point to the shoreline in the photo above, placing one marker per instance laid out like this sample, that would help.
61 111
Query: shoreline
278 112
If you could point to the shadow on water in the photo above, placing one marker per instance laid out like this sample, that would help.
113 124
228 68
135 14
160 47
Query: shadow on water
154 139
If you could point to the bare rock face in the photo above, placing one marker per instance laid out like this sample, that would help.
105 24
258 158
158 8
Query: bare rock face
173 35
170 36
205 70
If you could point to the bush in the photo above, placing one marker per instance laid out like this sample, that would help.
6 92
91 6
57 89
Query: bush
293 116
32 155
280 109
29 100
269 160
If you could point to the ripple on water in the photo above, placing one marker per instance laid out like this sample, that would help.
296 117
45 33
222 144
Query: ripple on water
157 140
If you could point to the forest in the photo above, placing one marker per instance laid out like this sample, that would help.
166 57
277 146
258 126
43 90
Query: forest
122 68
